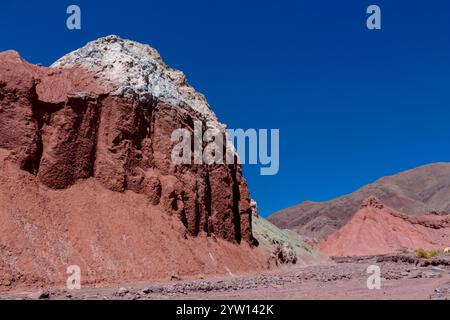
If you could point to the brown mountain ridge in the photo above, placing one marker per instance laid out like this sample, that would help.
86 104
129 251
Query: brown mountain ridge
415 191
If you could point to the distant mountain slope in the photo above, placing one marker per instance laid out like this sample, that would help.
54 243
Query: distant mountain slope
378 229
416 191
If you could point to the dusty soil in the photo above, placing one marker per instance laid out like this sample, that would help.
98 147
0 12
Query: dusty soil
402 278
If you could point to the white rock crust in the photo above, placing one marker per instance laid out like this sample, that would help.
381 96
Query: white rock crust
134 68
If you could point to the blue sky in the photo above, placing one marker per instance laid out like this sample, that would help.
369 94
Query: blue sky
352 105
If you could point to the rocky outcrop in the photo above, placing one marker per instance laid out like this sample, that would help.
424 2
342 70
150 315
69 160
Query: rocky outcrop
286 246
87 179
107 111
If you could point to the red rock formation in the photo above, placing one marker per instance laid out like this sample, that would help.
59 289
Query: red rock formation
63 125
71 132
378 229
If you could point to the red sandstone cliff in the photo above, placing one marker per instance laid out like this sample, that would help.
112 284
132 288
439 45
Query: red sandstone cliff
87 177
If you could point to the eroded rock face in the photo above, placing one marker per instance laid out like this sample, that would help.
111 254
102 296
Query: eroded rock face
107 111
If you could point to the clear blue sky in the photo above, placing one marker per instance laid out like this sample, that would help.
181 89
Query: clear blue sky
352 105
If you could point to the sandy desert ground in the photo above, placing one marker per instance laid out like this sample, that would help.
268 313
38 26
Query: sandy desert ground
402 277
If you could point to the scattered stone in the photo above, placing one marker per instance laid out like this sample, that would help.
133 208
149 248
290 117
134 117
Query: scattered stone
146 291
122 292
174 277
430 274
39 295
442 292
415 274
437 269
